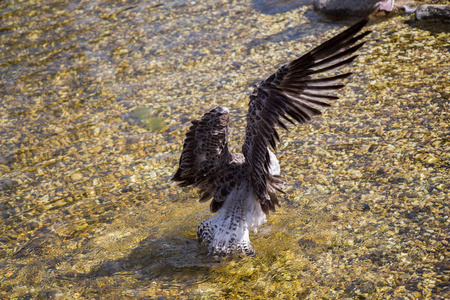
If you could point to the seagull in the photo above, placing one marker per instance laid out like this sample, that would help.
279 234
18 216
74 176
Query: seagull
243 187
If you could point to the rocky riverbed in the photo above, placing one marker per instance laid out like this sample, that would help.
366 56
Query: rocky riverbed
97 97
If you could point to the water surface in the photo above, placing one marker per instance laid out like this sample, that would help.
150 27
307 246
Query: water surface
97 97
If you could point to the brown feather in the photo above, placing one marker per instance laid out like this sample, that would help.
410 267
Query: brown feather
292 93
205 150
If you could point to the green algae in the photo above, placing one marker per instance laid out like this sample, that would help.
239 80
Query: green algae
97 98
144 115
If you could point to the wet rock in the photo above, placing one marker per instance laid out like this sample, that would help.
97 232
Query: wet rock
433 13
7 183
346 8
352 206
357 288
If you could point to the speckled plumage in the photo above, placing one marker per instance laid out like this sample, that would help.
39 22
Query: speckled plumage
243 187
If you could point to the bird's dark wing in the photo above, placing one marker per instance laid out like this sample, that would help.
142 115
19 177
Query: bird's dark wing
296 92
205 151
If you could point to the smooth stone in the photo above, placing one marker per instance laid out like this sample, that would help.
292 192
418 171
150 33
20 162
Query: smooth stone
433 13
346 8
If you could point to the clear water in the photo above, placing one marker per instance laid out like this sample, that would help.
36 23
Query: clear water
96 98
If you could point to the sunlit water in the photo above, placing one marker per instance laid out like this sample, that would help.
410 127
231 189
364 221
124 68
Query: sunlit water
96 98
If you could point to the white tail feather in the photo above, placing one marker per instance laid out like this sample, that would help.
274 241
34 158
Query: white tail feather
228 230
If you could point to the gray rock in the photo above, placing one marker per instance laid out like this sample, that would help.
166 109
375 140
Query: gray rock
433 13
346 8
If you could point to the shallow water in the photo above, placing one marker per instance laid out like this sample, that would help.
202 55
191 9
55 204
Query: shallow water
97 97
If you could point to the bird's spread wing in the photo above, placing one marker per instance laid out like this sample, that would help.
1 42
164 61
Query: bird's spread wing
295 92
205 151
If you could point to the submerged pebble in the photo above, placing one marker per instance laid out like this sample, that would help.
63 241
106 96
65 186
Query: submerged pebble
97 97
